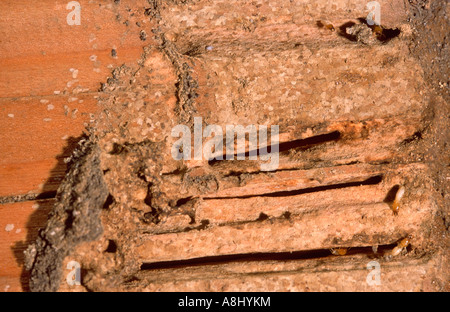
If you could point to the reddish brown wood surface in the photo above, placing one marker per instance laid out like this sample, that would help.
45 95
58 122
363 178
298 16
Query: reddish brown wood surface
19 224
49 76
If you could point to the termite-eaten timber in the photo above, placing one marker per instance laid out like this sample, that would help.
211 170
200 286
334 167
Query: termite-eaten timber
356 119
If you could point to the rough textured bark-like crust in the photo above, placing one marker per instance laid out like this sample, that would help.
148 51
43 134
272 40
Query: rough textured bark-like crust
74 219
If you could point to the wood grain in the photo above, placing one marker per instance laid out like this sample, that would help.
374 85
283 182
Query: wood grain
19 224
49 76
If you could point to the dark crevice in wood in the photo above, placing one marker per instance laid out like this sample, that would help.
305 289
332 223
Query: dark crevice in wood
303 144
27 197
109 202
285 147
370 181
112 246
265 256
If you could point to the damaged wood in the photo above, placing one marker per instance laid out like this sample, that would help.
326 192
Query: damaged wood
75 218
355 126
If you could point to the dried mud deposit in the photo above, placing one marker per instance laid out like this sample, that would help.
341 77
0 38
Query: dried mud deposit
363 117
